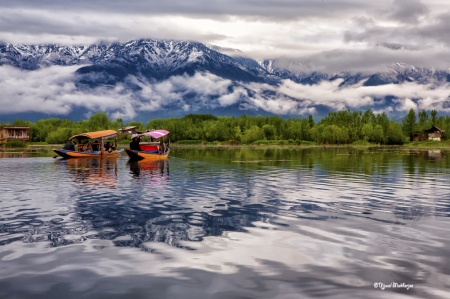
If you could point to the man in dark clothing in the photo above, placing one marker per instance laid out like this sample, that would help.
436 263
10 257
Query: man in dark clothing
70 146
134 144
109 147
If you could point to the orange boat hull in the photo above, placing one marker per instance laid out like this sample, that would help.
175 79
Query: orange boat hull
140 155
70 154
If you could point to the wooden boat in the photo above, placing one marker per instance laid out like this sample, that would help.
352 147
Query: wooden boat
152 150
101 135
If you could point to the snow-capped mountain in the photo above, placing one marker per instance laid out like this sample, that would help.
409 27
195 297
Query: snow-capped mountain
303 73
157 59
144 79
151 58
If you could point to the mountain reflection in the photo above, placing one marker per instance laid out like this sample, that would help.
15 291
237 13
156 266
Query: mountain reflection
206 193
325 220
141 212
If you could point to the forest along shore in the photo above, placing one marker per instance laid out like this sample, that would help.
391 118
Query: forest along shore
337 128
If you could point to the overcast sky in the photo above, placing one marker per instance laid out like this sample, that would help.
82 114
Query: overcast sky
334 35
259 28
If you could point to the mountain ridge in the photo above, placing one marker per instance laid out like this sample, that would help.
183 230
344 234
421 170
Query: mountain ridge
145 79
160 59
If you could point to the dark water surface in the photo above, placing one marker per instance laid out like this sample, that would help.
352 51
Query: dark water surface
227 223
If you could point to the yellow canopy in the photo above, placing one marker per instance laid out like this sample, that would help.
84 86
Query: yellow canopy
98 134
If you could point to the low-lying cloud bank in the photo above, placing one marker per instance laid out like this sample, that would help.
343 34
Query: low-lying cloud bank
54 91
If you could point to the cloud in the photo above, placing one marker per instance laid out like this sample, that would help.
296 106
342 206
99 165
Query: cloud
329 94
405 104
432 32
262 9
329 33
52 91
370 60
263 29
199 88
408 11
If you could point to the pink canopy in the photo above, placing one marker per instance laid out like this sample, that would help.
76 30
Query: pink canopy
156 134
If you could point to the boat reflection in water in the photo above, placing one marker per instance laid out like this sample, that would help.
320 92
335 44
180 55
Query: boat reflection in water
151 211
94 173
150 172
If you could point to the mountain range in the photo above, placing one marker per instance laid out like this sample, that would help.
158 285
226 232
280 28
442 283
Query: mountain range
108 64
160 59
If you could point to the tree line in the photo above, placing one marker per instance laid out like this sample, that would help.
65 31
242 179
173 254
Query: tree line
341 127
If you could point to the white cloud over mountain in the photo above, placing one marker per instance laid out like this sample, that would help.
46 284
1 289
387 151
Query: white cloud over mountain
53 90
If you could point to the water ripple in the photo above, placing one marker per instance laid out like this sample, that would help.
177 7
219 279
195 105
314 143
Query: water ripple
320 222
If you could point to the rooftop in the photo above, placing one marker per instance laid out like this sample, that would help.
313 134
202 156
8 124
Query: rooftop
15 127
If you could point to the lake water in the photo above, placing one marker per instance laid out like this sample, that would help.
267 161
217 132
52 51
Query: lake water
227 223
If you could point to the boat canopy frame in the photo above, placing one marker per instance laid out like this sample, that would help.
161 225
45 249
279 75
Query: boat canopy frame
106 134
159 134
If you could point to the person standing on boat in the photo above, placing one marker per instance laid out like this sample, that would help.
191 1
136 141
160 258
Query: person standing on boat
70 146
134 144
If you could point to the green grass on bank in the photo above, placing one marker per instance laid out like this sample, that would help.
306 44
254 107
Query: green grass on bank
260 143
15 144
284 142
428 143
190 142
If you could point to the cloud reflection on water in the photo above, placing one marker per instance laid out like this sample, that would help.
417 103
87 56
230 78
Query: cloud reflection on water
261 230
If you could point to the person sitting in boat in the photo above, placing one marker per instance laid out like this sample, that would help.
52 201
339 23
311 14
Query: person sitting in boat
96 145
70 146
87 148
109 147
134 144
162 147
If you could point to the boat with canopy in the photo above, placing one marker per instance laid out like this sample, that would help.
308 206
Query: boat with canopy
153 150
98 146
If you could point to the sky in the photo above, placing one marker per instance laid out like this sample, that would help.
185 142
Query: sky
262 29
336 35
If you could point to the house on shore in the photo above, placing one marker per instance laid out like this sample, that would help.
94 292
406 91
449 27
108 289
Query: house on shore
127 130
8 133
434 133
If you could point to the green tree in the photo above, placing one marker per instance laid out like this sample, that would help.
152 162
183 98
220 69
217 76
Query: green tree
119 122
433 117
270 132
422 124
394 134
253 134
311 121
367 132
378 135
408 123
99 122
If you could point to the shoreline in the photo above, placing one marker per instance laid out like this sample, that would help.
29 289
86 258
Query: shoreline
49 147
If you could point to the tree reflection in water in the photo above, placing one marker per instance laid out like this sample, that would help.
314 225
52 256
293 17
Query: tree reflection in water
133 215
212 192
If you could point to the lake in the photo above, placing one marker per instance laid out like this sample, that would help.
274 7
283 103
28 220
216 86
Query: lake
227 223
